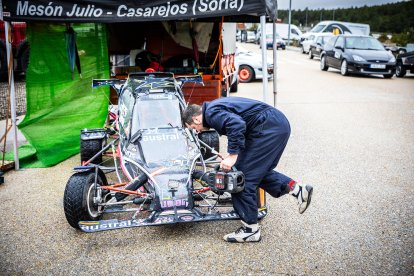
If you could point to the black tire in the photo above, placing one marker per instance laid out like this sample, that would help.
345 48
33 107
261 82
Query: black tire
211 138
400 71
388 76
78 198
233 87
24 52
223 91
88 148
3 62
323 65
246 73
344 68
310 54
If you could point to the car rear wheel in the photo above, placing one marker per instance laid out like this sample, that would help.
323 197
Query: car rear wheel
89 148
323 65
400 70
212 139
246 73
344 68
310 54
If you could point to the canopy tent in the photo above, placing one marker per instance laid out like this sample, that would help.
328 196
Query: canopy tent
135 10
110 11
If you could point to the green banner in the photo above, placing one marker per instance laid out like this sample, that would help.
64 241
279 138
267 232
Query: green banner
60 100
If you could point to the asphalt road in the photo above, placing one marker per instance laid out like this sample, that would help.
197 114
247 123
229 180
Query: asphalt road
352 138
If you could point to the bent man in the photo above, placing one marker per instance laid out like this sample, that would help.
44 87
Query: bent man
257 135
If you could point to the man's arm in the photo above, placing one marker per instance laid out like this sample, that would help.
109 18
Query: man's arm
231 124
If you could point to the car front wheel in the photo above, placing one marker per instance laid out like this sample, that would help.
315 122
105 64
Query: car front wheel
400 70
80 198
246 73
344 68
310 54
323 65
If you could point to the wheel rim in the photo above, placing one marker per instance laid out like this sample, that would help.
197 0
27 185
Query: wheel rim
398 70
244 74
310 54
323 62
344 68
93 209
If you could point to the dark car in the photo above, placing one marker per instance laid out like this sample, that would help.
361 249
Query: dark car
280 43
405 62
316 47
358 54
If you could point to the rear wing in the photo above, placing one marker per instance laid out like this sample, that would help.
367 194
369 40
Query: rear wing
193 79
115 83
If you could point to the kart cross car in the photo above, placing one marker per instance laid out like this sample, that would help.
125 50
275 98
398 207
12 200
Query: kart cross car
147 168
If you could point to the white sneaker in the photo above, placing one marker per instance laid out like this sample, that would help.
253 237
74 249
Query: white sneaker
246 233
304 196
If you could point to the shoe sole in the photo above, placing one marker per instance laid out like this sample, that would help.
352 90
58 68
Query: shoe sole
232 240
308 202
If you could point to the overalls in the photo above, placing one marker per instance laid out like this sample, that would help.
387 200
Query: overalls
258 133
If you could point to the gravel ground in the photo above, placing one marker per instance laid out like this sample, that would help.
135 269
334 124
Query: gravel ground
20 91
351 138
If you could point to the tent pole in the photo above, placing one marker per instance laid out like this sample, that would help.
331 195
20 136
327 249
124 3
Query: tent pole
264 56
274 65
7 31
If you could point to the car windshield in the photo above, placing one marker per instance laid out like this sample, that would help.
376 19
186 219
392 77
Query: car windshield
165 147
156 110
271 36
317 28
363 43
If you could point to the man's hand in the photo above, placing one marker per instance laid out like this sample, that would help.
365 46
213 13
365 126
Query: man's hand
228 162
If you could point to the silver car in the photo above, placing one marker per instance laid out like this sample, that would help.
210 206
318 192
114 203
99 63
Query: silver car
249 65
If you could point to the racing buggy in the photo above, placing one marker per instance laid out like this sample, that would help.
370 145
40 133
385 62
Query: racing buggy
146 168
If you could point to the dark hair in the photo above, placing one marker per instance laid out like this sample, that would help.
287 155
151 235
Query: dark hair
191 111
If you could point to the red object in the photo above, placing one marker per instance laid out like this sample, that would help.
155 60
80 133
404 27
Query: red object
156 66
291 184
149 70
18 33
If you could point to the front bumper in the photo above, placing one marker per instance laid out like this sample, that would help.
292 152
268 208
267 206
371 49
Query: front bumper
259 74
366 68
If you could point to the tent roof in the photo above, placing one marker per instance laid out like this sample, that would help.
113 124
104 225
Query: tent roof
111 11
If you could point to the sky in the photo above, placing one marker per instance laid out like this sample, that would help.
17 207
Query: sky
330 4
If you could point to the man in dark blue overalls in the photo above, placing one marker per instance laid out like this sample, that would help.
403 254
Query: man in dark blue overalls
257 135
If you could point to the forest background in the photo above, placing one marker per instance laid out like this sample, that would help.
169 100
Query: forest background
395 20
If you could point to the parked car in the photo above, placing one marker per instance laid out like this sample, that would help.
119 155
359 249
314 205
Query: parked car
250 65
405 62
358 54
280 43
307 43
337 27
251 36
316 48
282 29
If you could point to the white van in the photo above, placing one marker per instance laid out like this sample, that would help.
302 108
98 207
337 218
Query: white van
282 29
337 27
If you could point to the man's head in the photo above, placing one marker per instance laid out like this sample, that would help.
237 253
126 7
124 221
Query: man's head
193 117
